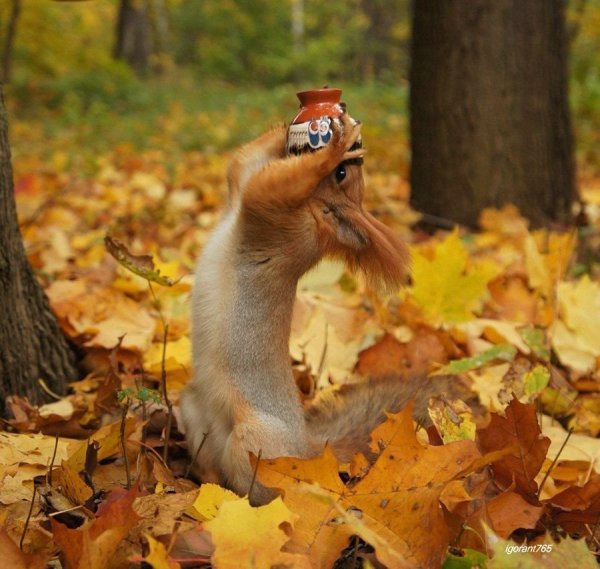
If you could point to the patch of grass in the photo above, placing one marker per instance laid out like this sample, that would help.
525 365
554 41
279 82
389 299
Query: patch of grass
83 117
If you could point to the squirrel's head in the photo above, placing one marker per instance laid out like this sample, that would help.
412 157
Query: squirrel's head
348 232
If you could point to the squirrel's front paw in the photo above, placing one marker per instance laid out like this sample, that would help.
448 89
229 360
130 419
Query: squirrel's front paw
346 131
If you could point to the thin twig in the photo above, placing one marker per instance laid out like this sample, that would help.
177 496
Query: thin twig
49 475
52 514
570 432
163 381
49 391
28 518
123 445
594 530
191 464
254 474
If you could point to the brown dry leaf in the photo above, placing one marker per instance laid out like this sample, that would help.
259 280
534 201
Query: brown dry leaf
510 511
247 537
518 427
162 512
99 544
577 506
400 491
388 356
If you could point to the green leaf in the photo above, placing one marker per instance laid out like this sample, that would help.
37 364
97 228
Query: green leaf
536 340
470 559
504 352
141 265
536 380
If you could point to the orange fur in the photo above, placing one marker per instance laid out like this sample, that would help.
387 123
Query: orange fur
285 214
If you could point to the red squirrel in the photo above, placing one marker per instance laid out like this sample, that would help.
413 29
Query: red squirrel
285 213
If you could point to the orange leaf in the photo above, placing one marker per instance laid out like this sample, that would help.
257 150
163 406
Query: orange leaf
510 511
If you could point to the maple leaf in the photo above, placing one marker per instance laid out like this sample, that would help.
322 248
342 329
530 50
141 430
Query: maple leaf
575 336
95 544
578 506
446 287
398 499
519 429
509 511
246 537
546 269
210 498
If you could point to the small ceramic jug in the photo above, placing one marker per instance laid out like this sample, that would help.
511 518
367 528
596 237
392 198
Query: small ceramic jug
311 127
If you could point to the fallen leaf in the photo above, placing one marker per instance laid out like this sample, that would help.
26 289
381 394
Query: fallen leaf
509 511
95 544
400 492
519 428
447 287
246 537
158 557
576 335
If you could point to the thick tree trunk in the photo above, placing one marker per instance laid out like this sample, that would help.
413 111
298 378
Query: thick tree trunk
32 346
133 34
9 41
489 110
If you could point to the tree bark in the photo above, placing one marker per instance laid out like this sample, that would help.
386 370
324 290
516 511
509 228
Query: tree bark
32 346
133 34
489 110
9 41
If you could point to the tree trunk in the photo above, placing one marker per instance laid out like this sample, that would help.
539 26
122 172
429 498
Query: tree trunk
133 34
9 41
32 346
489 109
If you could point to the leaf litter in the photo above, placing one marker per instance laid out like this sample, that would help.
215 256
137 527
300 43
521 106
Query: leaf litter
502 309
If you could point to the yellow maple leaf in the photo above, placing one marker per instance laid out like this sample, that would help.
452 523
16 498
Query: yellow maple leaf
252 537
210 498
575 335
448 288
547 257
178 358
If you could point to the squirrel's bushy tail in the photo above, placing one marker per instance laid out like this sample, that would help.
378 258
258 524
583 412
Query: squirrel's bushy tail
345 417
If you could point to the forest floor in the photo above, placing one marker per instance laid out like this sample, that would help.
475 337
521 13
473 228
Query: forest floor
511 312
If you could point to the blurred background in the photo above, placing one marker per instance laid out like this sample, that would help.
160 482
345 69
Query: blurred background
87 78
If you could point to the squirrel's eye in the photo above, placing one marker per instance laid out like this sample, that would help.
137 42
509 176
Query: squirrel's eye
340 173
